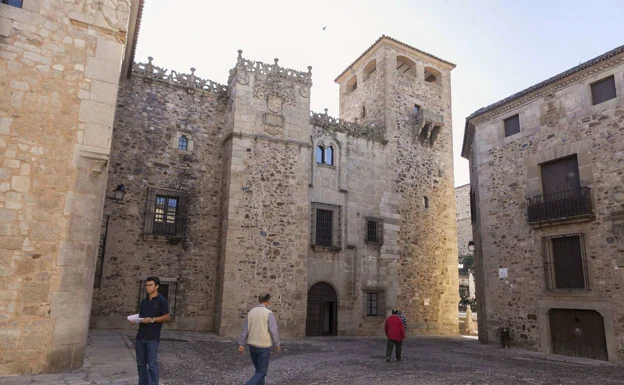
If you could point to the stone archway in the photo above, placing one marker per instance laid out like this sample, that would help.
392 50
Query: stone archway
322 319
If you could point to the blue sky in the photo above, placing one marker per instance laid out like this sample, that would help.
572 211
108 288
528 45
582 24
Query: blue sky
500 47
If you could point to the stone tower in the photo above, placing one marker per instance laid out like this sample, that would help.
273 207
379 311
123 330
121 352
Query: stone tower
382 88
265 213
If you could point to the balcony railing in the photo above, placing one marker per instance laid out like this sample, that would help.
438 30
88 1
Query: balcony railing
560 205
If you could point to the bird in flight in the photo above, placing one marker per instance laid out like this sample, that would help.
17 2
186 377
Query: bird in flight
324 28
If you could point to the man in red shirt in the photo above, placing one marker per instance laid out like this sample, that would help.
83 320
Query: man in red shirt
395 333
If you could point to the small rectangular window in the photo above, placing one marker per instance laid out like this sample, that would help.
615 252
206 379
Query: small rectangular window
373 303
603 90
374 231
13 3
512 125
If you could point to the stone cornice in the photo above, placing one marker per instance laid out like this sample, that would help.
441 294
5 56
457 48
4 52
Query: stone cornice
551 88
372 131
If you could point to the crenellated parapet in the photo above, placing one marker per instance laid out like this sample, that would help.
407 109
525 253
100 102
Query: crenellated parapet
372 131
149 72
245 66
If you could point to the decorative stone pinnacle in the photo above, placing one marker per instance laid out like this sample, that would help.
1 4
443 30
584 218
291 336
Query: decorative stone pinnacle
192 70
276 60
327 109
150 58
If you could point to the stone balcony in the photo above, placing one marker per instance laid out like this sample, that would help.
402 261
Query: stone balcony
426 126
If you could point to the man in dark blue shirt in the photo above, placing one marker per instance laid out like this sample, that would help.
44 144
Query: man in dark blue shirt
154 310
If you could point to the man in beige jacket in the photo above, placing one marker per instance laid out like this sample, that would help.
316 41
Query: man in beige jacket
260 333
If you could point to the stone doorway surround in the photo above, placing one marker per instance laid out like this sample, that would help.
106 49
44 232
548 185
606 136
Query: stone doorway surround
604 309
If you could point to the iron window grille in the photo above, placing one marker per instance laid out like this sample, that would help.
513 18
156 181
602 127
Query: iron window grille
326 225
512 125
603 90
374 230
374 303
167 289
183 143
13 3
565 263
166 213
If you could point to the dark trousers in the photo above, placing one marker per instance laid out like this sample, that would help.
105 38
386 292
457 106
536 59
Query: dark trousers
260 358
390 346
147 361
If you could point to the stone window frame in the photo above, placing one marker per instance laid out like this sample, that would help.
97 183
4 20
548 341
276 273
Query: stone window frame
378 230
591 89
175 142
369 69
508 119
323 160
550 268
150 214
603 308
582 151
172 285
336 230
380 302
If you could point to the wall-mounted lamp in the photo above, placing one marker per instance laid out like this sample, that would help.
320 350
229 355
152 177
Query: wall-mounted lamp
471 246
120 192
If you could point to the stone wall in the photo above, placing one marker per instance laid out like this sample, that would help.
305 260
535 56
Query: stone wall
558 121
464 227
151 117
267 230
426 250
59 70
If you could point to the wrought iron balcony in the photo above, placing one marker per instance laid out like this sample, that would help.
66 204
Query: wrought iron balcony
562 205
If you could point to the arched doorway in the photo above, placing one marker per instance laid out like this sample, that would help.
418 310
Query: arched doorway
322 311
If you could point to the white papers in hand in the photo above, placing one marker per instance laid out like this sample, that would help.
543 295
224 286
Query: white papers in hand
134 318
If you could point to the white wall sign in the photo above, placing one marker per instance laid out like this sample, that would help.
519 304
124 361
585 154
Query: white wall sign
502 272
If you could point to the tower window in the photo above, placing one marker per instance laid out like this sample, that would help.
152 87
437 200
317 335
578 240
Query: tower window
351 85
432 75
183 143
363 112
426 202
370 69
405 66
603 90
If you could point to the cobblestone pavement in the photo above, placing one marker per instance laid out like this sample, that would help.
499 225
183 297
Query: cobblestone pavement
203 358
426 361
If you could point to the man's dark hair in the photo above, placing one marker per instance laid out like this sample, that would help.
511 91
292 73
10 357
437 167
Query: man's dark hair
395 311
264 297
156 280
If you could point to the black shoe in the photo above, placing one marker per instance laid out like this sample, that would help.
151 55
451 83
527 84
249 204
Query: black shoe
387 360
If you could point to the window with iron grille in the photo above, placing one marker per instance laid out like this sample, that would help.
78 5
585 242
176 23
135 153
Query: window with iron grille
166 213
603 90
167 289
13 3
565 264
183 143
373 303
374 230
325 225
512 125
